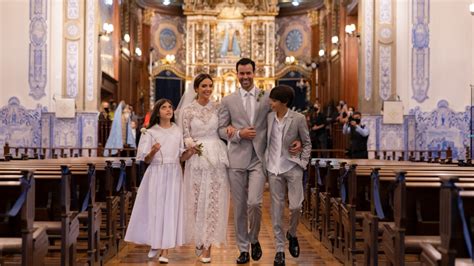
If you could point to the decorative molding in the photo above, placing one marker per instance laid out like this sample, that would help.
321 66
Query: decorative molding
90 51
72 68
385 11
37 72
420 66
368 48
73 9
385 71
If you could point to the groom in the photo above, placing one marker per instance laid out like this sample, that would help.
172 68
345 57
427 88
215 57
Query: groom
246 110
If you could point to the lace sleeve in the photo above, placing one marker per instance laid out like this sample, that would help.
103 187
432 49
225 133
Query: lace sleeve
187 116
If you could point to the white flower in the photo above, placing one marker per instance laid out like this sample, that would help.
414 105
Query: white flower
189 142
143 130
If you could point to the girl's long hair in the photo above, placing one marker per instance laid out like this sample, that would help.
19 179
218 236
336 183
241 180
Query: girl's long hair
155 114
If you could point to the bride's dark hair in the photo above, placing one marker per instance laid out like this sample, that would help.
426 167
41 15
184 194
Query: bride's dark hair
155 114
199 78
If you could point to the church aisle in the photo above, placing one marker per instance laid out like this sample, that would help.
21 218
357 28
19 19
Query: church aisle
312 251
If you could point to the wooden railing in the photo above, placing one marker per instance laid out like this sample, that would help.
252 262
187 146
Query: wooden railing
440 156
18 153
104 130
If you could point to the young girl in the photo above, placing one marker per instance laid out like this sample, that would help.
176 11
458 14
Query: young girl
157 216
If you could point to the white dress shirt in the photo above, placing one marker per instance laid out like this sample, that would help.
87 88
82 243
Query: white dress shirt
276 163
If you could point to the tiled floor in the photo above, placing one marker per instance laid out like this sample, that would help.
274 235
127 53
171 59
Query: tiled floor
312 251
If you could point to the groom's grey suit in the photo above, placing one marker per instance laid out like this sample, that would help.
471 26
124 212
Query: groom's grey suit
246 163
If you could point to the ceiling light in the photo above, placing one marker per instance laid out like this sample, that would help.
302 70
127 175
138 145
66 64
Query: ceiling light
295 3
166 2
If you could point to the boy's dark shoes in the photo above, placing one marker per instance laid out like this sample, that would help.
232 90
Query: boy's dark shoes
294 247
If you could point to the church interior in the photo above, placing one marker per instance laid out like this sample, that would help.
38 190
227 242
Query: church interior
70 68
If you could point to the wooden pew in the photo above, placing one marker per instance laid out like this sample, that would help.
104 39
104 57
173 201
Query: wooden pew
453 249
82 203
17 233
64 225
116 205
349 228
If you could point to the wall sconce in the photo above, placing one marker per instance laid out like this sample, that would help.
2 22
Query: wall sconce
126 38
290 60
471 8
107 28
321 53
138 52
169 59
334 39
313 65
351 30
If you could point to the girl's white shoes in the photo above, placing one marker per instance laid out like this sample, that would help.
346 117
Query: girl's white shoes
152 253
162 259
205 260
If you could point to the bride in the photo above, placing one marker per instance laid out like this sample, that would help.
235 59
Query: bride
206 188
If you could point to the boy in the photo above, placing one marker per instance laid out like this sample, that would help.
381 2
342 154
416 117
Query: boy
285 126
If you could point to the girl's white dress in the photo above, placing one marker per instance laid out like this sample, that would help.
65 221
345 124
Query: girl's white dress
206 185
157 216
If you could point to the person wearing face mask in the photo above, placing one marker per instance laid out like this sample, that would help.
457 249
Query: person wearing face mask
317 125
359 134
104 113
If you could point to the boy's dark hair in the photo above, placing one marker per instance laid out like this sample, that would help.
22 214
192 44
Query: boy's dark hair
200 78
356 113
245 61
283 93
155 114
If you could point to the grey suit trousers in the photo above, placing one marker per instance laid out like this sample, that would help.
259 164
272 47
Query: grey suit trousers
246 187
278 183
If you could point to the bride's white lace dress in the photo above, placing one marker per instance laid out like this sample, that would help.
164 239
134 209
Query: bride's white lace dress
206 186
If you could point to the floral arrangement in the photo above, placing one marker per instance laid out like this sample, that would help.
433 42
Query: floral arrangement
190 143
260 95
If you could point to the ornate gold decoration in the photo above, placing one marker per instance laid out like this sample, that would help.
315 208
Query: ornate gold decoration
313 15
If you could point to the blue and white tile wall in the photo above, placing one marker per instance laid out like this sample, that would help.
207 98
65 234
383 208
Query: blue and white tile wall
21 127
442 128
435 130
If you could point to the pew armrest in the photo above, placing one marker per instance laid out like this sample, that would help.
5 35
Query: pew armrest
430 255
10 245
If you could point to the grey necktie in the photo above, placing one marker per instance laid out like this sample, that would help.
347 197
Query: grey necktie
248 105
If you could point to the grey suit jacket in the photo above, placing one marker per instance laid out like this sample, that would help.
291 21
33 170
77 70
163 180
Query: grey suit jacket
295 128
232 112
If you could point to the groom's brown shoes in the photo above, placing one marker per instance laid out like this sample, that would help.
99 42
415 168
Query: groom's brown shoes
256 251
243 258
